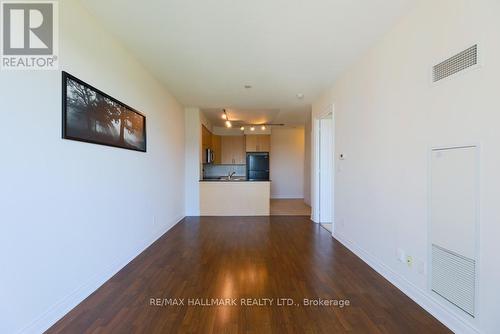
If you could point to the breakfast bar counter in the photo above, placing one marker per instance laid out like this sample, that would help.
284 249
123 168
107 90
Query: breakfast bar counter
234 198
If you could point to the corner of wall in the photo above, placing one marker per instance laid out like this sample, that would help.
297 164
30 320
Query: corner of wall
192 124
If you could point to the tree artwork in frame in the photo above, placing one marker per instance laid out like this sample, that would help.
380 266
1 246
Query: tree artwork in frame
89 115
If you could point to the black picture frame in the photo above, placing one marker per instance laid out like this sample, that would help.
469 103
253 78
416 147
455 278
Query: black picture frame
109 113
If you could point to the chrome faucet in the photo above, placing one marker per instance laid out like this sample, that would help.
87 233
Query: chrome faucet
230 175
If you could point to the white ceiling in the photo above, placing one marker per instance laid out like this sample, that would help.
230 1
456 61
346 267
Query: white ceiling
205 51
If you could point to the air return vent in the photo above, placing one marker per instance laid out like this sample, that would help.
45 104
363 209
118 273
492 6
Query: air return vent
453 278
455 64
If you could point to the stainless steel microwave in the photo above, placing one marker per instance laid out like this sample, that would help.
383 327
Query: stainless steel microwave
209 156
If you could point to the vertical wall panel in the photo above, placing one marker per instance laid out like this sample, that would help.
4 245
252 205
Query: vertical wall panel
453 209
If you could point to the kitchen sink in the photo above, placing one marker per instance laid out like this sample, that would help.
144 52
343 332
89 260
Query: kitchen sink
225 178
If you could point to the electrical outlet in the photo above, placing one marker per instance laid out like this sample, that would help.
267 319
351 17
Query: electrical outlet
409 260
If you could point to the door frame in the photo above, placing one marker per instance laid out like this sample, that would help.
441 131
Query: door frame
315 193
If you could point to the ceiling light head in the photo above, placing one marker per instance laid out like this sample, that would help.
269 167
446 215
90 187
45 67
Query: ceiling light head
242 128
228 124
300 96
224 116
252 128
263 127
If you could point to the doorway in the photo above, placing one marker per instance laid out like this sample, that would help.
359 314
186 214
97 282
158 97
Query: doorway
324 170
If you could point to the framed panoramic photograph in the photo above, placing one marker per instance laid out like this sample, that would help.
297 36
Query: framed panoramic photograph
92 116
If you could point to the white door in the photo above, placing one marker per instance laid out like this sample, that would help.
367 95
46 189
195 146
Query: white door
325 170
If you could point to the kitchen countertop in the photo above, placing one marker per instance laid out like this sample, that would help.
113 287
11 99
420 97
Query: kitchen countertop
232 180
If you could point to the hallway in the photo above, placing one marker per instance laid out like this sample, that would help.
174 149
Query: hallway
247 257
290 207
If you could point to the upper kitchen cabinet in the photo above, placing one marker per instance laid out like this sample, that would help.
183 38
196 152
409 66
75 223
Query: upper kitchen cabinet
206 138
206 141
258 143
217 148
233 150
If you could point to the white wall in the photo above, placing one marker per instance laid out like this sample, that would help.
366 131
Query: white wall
388 115
326 171
307 160
287 163
193 160
73 213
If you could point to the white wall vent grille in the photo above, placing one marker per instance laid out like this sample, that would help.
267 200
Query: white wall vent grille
453 278
455 64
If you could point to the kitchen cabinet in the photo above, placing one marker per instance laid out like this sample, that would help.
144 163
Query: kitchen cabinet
211 141
251 143
206 141
233 150
258 143
206 138
217 148
264 143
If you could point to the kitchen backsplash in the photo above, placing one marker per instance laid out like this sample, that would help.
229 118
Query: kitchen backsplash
211 170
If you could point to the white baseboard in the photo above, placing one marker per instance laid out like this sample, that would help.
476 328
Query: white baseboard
419 296
66 304
286 197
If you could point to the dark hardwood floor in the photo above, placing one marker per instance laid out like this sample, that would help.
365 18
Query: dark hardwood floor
250 257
